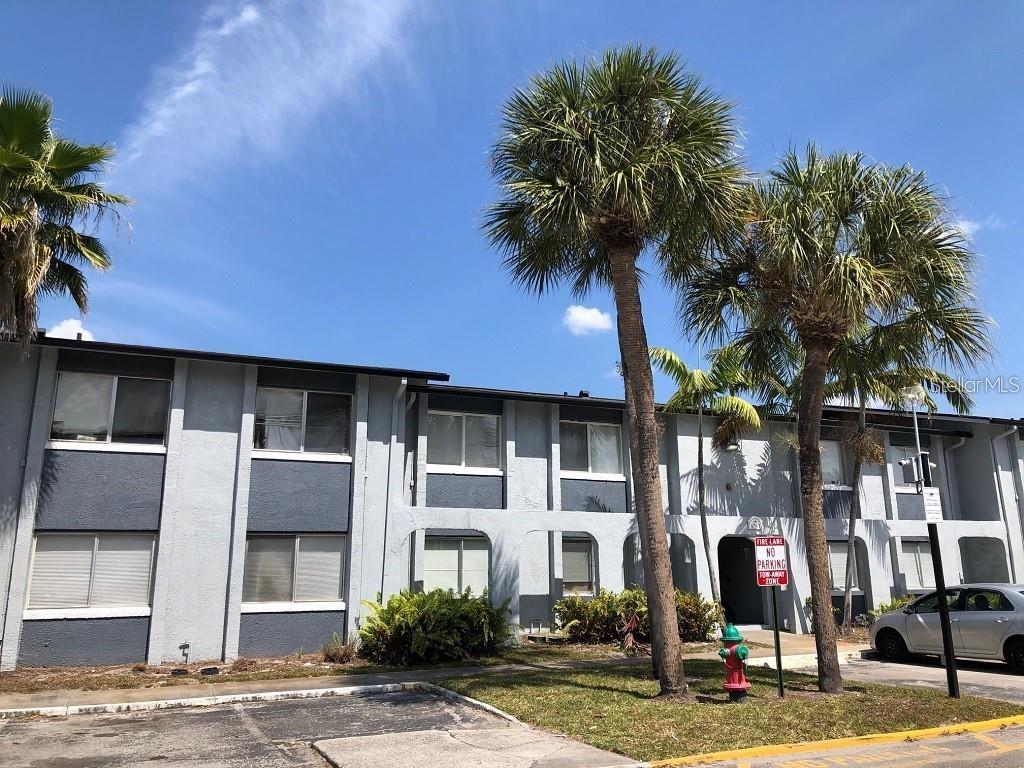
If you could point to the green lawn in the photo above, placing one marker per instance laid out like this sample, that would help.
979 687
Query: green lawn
617 709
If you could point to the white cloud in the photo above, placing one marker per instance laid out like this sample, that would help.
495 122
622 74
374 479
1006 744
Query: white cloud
584 321
970 227
252 79
69 329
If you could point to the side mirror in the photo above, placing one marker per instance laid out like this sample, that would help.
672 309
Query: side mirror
908 610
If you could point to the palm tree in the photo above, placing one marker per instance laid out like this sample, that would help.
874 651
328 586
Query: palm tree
599 164
714 390
879 365
48 194
831 244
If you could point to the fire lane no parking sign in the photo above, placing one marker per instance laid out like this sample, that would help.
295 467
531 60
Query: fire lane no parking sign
771 561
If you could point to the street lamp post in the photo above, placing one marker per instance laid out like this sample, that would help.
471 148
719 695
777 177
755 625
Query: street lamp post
914 397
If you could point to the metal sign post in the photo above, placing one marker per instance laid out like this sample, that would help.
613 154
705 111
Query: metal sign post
773 571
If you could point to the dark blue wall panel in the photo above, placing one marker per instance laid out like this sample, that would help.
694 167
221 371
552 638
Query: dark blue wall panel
594 496
299 496
276 634
82 642
94 490
465 491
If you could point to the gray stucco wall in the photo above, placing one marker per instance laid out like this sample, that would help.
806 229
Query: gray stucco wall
79 642
465 491
299 496
594 495
274 634
92 490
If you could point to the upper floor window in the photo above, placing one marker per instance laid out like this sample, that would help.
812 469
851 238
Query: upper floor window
293 569
463 439
833 463
74 570
459 563
297 420
837 551
590 447
916 564
100 408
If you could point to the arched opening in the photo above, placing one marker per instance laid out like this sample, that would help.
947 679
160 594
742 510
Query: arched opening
860 592
983 559
684 562
579 564
632 564
457 560
741 597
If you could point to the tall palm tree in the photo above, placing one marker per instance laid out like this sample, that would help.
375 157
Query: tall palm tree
833 243
878 365
714 390
48 196
599 164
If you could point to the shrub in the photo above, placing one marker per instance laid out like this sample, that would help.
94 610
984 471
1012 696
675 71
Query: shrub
339 652
428 627
623 618
698 618
893 605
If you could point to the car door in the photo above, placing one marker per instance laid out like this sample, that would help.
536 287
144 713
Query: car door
924 631
983 623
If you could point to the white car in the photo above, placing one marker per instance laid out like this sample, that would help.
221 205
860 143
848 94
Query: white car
987 621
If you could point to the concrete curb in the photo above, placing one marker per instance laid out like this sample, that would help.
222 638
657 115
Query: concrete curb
458 698
801 660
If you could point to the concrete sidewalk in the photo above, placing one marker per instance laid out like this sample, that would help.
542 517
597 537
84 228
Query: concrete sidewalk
798 651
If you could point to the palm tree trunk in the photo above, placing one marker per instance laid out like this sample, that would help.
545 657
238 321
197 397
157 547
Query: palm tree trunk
665 645
812 395
702 509
851 540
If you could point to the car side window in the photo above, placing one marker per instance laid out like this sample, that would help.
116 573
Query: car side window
987 600
930 604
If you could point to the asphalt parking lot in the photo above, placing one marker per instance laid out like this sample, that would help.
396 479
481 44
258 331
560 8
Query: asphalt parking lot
410 729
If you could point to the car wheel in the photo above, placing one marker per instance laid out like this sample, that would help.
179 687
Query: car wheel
891 645
1014 653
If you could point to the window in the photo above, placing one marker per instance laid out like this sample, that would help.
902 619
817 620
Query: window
462 439
987 600
833 466
837 551
594 448
74 570
293 569
916 564
577 566
296 420
92 407
459 563
930 604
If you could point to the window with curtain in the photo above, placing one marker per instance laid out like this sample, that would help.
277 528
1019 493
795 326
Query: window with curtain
833 464
837 551
456 562
577 567
302 421
463 439
98 408
294 569
590 447
916 564
73 570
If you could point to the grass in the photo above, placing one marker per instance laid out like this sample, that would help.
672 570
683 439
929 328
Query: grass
617 709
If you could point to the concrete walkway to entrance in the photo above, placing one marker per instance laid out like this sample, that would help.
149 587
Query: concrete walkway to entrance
797 650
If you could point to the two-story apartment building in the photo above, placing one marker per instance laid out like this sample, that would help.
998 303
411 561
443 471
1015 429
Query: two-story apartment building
159 505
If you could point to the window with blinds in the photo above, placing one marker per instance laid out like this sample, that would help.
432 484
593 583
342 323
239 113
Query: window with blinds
73 570
837 551
294 569
577 566
916 564
458 563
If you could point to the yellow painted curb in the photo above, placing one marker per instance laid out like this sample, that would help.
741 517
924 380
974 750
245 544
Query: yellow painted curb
774 750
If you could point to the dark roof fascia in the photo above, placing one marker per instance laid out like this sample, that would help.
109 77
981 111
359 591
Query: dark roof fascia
221 357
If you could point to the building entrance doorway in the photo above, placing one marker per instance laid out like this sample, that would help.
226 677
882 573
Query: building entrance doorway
741 597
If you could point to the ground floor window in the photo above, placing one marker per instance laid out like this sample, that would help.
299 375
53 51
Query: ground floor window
577 567
916 564
837 551
75 570
294 569
456 562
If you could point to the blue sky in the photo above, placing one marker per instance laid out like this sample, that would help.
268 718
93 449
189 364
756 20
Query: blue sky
310 175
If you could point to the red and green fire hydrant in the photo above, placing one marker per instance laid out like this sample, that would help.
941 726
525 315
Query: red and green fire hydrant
735 655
